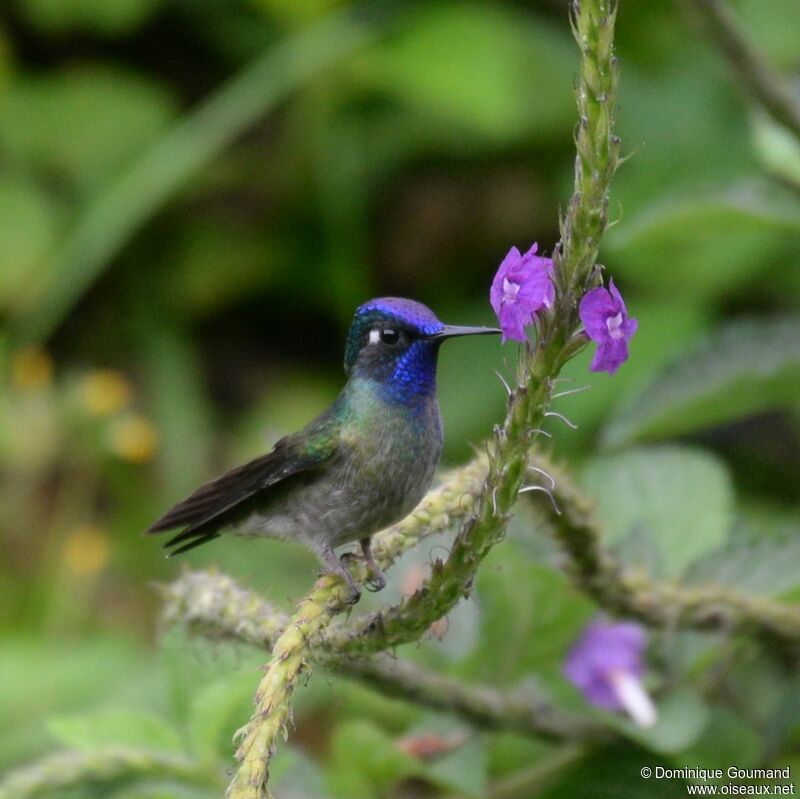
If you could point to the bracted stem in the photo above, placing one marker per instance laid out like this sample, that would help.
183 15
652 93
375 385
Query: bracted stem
582 227
656 603
214 606
273 698
290 656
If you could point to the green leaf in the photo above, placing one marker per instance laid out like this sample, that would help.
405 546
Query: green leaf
115 728
682 718
772 26
485 69
679 498
771 568
98 16
30 220
744 367
365 762
216 712
294 775
160 790
83 123
728 739
43 678
529 616
461 770
179 401
777 147
614 771
703 244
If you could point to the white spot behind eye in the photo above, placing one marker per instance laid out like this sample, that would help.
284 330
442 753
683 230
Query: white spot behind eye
374 336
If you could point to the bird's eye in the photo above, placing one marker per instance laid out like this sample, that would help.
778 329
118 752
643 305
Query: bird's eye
389 336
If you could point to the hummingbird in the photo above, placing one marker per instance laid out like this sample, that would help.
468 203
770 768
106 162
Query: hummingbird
360 466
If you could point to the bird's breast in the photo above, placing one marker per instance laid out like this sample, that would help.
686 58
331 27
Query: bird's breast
390 457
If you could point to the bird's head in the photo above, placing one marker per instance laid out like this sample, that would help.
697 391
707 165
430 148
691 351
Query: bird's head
395 341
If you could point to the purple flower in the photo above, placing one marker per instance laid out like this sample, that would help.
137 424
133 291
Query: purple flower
605 318
606 666
522 286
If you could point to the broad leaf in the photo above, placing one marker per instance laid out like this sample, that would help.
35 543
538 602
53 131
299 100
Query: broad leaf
698 245
614 771
529 616
682 718
112 728
747 366
678 498
727 739
483 68
771 568
777 147
365 762
216 712
461 770
83 123
29 223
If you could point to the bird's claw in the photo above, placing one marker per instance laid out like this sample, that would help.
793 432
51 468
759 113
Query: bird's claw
353 596
377 580
376 583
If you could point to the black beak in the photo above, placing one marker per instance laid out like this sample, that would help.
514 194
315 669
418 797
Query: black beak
451 331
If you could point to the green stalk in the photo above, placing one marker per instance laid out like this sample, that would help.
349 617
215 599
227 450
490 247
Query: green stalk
558 341
214 606
291 652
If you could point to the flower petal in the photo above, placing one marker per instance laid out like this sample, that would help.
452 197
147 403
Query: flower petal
603 653
596 307
611 354
511 260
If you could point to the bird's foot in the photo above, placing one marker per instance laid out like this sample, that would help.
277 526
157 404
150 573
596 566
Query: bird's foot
354 594
377 579
377 582
336 567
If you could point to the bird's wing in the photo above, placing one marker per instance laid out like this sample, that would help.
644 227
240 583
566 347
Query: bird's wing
209 508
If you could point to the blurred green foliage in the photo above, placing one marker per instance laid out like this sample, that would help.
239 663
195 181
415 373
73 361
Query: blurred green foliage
175 285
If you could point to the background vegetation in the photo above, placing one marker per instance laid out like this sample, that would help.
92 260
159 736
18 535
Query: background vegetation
194 196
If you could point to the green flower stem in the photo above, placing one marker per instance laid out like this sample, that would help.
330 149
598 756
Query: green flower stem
660 604
582 227
214 606
452 579
110 766
766 86
597 148
291 651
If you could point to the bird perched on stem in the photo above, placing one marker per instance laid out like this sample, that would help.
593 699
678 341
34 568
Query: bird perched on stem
360 466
